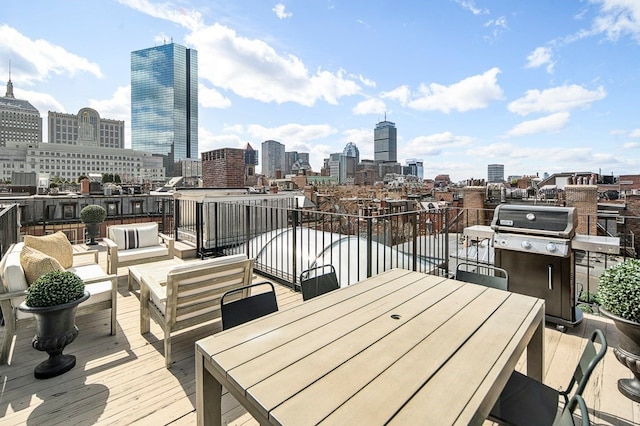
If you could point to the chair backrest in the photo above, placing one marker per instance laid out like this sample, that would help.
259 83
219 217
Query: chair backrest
565 418
317 281
249 306
472 273
587 363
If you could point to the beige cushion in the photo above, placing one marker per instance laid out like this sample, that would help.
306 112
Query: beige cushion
55 245
35 264
129 237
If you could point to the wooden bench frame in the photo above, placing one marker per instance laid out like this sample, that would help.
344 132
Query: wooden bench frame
12 323
194 287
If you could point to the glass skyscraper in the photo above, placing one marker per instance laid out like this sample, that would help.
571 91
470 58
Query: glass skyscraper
164 103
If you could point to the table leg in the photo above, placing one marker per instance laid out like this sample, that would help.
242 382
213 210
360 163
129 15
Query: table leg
535 353
208 394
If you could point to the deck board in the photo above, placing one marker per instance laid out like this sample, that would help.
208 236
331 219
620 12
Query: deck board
122 380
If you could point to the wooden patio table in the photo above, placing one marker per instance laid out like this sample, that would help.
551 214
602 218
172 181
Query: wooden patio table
401 347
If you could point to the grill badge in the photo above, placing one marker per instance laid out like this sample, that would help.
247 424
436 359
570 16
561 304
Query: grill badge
506 222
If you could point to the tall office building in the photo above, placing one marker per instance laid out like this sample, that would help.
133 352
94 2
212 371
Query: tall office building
495 173
19 120
385 142
351 150
273 158
164 103
86 129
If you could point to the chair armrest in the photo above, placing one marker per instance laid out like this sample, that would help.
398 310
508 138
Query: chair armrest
165 237
112 256
110 243
77 254
12 294
169 241
154 286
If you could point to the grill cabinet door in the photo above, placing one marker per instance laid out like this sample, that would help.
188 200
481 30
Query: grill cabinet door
545 277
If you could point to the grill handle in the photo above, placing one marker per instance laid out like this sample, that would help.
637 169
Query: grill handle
550 276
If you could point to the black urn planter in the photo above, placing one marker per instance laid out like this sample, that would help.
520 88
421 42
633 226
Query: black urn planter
628 353
55 329
93 229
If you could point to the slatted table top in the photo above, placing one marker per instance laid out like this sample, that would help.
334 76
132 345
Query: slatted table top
402 347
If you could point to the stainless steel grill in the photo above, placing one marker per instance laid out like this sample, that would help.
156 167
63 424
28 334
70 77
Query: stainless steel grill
535 244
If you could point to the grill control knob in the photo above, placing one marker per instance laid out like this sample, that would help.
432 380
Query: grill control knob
526 244
551 247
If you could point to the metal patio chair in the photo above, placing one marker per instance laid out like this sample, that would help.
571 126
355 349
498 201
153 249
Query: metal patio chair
244 306
495 277
526 401
317 281
565 418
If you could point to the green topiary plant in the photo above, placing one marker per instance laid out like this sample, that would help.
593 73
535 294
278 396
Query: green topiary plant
93 213
619 290
54 288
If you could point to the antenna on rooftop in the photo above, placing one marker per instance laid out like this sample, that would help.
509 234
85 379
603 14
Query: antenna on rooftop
9 69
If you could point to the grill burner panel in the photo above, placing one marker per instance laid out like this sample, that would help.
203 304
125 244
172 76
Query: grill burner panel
560 247
559 222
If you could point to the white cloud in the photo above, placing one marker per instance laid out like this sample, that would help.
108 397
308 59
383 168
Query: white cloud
118 107
470 5
617 18
473 92
279 10
631 145
435 144
550 123
252 69
541 56
400 94
561 98
369 106
208 141
211 98
635 133
188 18
291 133
36 60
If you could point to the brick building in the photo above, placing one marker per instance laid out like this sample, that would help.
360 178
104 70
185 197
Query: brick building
223 168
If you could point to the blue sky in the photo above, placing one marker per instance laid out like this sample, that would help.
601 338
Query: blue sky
539 86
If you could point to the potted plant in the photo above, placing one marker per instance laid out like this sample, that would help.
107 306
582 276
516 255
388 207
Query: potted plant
619 294
53 300
93 215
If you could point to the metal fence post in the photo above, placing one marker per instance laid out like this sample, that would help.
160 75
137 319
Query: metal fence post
369 245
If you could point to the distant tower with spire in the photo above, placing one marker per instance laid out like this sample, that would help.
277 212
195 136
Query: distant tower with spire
19 120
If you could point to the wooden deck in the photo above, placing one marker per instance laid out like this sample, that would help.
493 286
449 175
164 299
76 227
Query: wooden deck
122 379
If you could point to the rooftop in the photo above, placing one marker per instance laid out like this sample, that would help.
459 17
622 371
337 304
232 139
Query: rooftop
123 379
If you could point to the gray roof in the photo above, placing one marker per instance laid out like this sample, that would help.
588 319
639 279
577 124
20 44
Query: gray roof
8 102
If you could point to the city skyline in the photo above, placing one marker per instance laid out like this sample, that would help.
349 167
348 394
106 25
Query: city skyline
537 86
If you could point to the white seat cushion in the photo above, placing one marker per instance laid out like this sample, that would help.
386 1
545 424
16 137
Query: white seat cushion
142 253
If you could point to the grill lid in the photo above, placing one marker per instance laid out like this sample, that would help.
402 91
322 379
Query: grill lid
559 222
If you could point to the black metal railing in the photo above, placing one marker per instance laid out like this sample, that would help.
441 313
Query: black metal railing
286 241
9 227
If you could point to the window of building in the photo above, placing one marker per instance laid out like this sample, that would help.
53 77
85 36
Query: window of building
68 211
136 207
50 212
112 208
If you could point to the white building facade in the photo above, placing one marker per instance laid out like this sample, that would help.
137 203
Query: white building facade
71 161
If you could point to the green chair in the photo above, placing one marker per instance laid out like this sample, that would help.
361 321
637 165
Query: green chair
565 418
525 401
472 273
